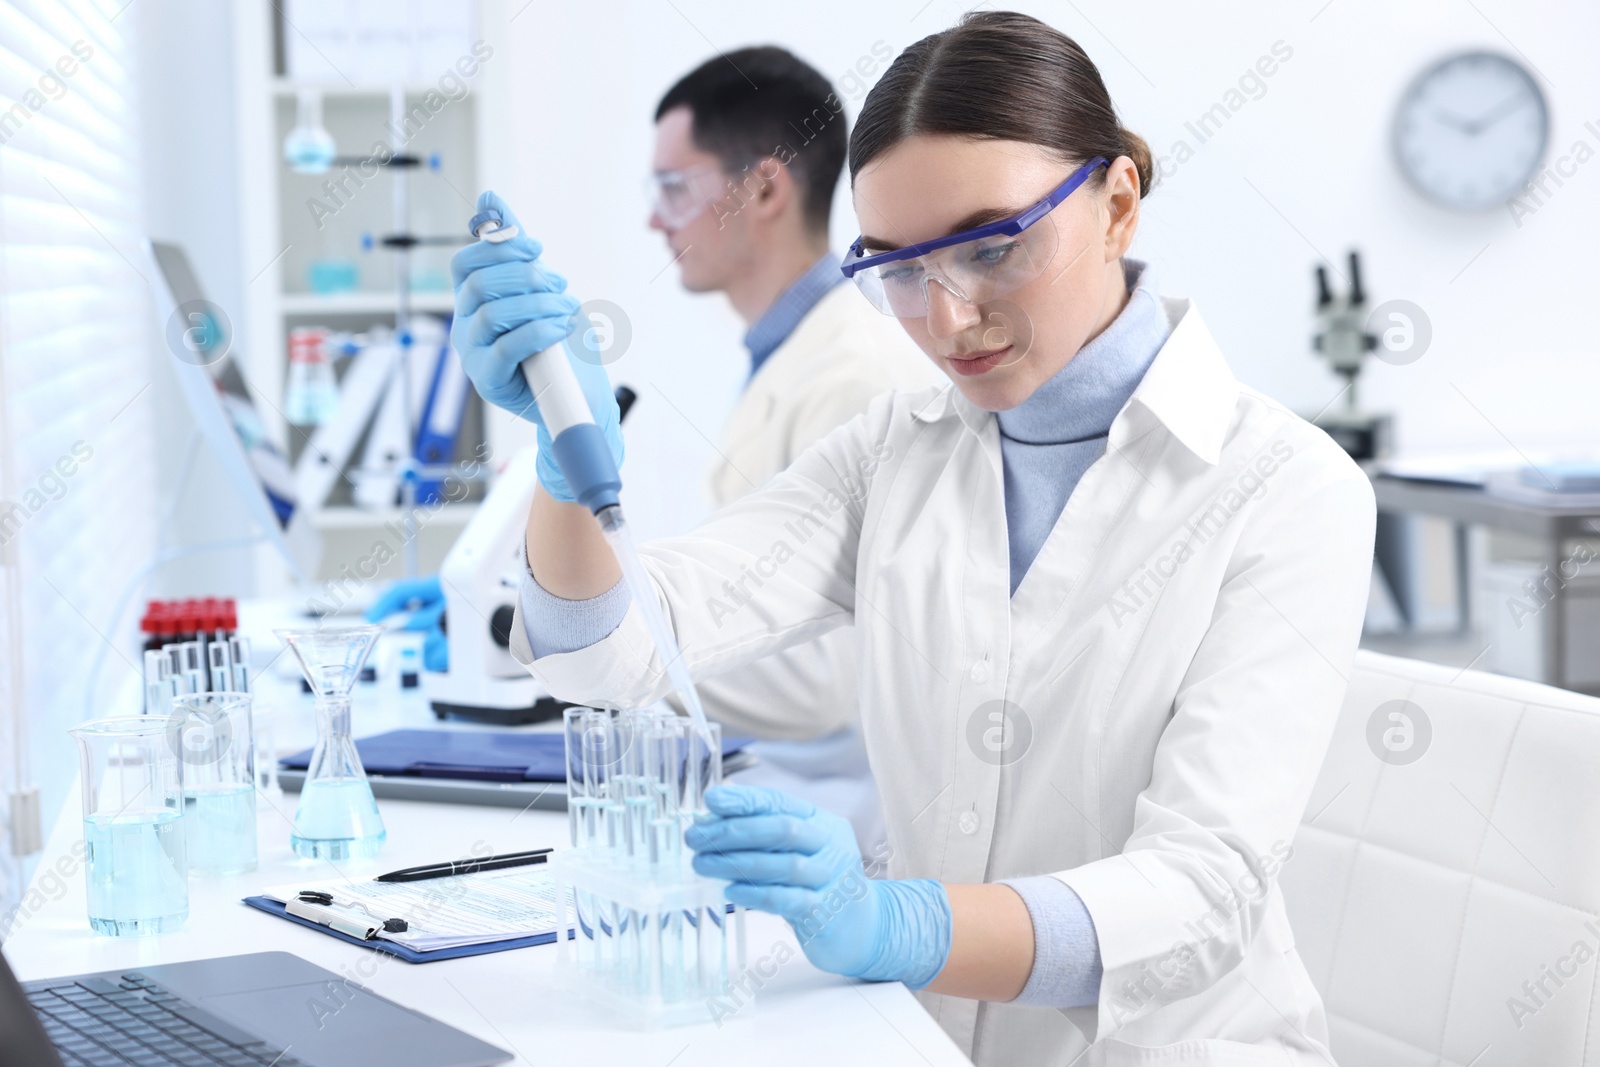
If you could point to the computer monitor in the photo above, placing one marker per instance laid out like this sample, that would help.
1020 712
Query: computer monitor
225 414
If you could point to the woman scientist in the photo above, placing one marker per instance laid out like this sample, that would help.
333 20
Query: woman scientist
1106 597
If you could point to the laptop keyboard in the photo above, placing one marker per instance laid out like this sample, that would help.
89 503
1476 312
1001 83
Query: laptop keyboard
96 1022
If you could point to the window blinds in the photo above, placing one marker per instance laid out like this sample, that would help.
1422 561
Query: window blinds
76 435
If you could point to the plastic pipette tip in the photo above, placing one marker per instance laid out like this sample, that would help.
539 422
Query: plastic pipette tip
488 225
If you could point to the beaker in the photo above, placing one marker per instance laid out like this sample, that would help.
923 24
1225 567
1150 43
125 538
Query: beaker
136 864
337 818
219 787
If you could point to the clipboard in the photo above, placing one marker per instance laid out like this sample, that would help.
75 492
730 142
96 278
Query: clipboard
445 917
272 906
410 955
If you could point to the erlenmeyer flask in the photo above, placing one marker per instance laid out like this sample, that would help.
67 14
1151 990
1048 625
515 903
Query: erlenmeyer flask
309 148
337 818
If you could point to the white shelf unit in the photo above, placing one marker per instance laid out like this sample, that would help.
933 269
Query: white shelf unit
313 305
282 234
346 517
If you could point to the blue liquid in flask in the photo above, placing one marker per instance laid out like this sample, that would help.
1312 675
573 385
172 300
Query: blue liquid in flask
337 820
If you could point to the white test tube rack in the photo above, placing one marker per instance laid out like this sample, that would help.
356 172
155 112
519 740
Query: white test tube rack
646 936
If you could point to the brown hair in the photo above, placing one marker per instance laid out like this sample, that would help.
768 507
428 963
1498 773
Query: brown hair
998 75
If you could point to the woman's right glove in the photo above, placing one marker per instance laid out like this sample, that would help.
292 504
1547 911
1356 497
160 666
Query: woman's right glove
789 857
509 306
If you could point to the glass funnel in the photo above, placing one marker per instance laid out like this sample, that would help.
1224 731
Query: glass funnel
337 818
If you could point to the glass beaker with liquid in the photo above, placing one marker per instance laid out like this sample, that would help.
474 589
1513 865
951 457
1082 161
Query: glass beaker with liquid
136 862
219 787
337 818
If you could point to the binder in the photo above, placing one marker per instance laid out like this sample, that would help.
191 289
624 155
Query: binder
440 424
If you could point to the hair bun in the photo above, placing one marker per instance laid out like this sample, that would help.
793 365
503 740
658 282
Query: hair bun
1135 148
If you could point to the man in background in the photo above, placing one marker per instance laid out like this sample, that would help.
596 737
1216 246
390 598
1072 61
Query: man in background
749 149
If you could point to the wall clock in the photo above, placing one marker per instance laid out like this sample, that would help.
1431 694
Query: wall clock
1471 130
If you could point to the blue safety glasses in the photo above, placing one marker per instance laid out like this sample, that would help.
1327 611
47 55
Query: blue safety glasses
974 265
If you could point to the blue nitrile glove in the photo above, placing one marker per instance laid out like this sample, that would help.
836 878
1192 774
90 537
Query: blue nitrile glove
424 598
787 856
510 306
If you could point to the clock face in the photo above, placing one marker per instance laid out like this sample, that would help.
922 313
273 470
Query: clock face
1471 131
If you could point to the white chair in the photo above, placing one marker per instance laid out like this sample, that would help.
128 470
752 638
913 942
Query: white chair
1447 907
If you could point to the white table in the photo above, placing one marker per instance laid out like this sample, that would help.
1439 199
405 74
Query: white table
514 1000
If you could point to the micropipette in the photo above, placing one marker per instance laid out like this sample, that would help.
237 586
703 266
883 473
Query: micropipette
584 457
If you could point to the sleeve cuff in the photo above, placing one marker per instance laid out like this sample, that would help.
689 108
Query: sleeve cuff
555 625
1066 951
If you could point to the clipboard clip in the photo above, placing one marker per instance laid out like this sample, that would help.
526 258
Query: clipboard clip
317 906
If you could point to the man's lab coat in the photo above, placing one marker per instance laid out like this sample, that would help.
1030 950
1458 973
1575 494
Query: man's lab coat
840 356
1144 719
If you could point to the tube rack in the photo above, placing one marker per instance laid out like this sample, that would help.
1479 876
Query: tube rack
646 936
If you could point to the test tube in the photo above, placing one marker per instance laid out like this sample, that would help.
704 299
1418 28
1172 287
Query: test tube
159 686
572 720
674 969
199 660
598 745
638 799
239 653
581 811
221 666
705 757
711 951
668 823
194 677
600 754
174 655
266 750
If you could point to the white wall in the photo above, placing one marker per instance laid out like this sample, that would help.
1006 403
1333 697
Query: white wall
1303 170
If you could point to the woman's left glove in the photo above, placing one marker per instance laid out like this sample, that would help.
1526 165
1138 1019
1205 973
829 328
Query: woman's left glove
786 856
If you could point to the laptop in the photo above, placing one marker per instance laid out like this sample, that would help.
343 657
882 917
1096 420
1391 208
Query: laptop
265 1008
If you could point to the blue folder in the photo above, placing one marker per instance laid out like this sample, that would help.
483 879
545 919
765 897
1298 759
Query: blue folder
490 756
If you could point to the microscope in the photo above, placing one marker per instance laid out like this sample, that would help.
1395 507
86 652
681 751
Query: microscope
1342 338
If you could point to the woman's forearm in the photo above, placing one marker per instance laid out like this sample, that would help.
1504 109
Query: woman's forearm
991 944
567 553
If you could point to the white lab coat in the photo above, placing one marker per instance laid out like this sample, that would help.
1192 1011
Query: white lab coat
1170 670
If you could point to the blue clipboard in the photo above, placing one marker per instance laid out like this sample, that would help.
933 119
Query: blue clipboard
410 955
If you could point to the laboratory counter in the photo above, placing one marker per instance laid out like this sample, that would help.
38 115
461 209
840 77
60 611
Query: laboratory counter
784 1011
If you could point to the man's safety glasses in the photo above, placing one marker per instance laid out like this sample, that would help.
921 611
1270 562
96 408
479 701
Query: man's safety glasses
975 265
679 196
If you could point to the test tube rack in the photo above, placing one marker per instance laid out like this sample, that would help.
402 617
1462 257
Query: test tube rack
645 936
